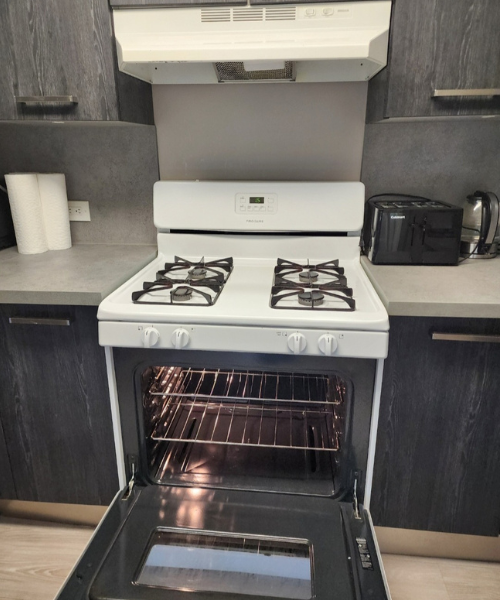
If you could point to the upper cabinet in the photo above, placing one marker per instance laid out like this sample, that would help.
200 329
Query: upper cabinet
444 60
58 63
173 3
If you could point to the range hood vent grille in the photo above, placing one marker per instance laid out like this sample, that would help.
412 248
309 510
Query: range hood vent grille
236 15
215 15
235 71
281 14
248 14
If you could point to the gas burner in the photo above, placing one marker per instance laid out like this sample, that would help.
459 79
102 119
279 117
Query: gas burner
181 294
185 271
308 276
197 273
319 298
313 298
288 273
287 267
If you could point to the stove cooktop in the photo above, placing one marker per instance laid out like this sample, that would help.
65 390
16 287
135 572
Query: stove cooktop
295 286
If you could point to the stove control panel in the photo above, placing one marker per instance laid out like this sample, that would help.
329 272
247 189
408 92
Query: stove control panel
188 337
256 204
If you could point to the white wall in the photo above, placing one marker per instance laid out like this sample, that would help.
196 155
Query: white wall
260 131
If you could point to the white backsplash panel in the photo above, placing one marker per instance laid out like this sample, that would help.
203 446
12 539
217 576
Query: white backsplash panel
260 131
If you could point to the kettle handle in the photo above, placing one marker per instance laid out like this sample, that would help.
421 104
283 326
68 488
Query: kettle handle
491 210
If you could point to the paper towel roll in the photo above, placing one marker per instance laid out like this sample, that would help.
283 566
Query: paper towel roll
55 210
26 208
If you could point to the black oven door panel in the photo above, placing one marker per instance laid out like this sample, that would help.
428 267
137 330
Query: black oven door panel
180 543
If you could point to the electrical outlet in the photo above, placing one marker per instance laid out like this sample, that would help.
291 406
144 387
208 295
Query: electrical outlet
78 210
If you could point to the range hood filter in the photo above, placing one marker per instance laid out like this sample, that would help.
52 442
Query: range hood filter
235 71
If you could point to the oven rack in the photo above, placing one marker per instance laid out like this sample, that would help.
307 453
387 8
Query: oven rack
245 408
214 385
246 424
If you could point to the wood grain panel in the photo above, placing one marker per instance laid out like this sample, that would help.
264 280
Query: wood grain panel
68 47
412 578
7 486
54 407
443 44
438 443
173 3
61 47
8 75
35 558
301 2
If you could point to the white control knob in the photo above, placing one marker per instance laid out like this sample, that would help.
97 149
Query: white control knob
297 342
327 344
180 338
150 337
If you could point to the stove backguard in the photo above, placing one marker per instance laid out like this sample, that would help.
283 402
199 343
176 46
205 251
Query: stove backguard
296 425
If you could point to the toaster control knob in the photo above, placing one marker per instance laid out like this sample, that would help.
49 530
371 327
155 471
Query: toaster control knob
297 342
150 337
327 344
180 338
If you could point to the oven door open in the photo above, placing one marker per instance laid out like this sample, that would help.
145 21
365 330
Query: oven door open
181 543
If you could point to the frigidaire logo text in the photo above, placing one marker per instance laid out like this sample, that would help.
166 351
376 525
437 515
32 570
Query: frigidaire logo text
255 220
398 217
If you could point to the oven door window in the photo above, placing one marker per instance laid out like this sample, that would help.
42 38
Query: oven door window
225 563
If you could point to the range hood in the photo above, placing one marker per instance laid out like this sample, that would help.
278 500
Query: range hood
338 41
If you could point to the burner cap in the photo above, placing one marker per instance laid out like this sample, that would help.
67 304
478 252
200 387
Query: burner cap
308 276
198 273
181 294
311 298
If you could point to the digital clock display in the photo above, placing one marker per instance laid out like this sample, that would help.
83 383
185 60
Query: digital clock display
256 199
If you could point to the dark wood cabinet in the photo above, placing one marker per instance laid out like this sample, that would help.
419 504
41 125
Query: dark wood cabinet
447 45
437 461
173 3
65 48
7 486
54 407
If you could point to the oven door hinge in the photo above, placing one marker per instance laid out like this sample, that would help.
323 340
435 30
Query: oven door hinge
131 483
355 496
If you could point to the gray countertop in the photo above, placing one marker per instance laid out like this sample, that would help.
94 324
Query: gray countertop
470 290
81 275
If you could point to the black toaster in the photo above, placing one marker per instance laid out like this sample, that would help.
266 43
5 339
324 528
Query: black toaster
409 230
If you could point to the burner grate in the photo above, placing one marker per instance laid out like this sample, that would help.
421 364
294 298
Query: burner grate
186 280
333 294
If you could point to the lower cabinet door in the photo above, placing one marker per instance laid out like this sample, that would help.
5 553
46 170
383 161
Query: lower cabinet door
438 443
160 542
54 406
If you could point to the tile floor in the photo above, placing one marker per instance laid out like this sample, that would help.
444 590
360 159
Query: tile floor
36 557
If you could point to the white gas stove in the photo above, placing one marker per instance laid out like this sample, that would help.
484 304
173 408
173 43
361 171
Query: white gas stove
266 267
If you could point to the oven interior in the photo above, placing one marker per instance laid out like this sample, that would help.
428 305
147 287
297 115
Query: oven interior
246 429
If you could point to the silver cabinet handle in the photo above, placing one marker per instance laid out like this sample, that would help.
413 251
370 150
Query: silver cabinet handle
38 321
46 99
466 337
449 93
